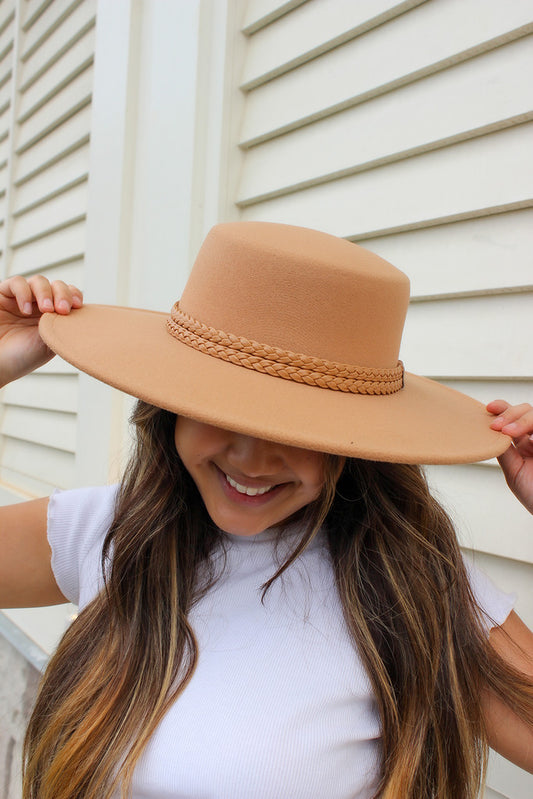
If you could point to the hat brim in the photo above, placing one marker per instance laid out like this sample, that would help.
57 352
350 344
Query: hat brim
130 349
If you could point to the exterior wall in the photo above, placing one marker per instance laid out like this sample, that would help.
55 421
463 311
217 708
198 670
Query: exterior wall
404 126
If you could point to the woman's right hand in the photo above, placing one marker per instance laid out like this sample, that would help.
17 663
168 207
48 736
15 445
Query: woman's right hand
22 303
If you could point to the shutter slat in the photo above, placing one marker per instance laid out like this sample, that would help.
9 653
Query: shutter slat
57 248
4 150
47 392
5 87
79 23
32 10
67 145
61 209
49 428
57 366
65 104
3 178
71 272
76 60
7 13
6 35
54 16
5 117
50 468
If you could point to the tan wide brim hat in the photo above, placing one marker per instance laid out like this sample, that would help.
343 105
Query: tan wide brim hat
286 334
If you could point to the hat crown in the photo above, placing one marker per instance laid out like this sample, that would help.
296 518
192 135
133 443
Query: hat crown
299 290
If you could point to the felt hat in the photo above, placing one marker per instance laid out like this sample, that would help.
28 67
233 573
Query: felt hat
287 334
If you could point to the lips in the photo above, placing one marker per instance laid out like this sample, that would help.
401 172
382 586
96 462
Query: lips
248 490
246 494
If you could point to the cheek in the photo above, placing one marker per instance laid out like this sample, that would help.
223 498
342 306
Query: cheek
323 470
313 472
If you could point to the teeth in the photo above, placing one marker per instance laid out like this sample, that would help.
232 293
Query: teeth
251 492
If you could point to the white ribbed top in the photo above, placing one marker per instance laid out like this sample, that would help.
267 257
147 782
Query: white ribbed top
279 705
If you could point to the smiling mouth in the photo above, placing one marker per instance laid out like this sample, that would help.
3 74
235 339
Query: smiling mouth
250 492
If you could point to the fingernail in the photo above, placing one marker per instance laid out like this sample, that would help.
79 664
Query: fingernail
28 308
48 305
510 428
76 301
63 305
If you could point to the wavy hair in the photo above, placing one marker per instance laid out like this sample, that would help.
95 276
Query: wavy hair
403 589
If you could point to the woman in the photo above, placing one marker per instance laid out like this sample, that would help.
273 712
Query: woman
272 603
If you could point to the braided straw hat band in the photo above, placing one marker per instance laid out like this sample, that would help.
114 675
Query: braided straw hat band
281 363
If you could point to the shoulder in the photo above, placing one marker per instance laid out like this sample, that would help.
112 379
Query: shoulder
78 521
495 605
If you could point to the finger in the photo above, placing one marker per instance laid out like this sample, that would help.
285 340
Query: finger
62 297
42 292
17 289
520 425
77 296
511 462
497 406
509 414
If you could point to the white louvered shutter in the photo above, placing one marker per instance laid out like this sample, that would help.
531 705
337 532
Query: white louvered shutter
46 85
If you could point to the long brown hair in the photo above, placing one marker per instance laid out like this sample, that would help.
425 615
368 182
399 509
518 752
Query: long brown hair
404 593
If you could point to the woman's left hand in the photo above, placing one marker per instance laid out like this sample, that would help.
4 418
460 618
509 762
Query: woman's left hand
516 462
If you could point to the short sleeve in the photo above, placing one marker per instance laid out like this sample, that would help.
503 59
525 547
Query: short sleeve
78 521
495 605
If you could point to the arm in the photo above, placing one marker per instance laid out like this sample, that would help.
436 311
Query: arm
26 577
516 462
508 734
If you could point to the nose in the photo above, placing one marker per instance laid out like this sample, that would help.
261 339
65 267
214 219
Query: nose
254 457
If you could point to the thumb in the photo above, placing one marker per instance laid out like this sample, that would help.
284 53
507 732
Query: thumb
511 462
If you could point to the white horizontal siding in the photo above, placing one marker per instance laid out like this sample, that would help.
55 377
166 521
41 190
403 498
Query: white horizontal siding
488 517
433 112
431 37
312 29
413 137
259 13
54 429
46 392
35 469
485 253
470 337
462 180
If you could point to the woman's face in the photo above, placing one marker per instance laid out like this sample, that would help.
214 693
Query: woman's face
247 484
